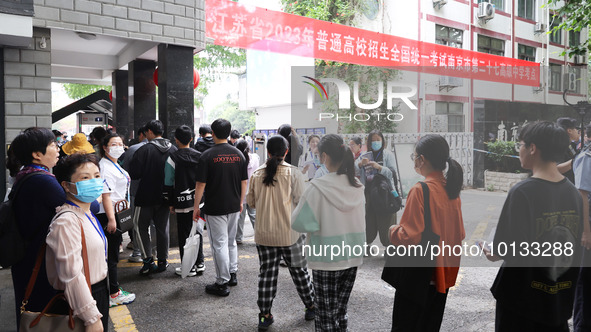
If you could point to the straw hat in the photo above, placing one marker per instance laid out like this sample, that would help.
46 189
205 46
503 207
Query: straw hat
79 143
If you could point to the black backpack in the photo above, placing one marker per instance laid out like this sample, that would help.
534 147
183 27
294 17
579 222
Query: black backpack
12 243
380 197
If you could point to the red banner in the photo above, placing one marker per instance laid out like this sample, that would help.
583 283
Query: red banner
233 24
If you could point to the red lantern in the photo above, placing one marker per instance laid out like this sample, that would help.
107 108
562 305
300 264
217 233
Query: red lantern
195 78
111 95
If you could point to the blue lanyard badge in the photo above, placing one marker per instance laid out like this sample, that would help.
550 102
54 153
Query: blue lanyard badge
126 177
97 226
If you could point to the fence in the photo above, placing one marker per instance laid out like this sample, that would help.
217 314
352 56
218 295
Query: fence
460 145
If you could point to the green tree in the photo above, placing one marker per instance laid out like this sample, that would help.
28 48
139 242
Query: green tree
243 121
575 16
79 91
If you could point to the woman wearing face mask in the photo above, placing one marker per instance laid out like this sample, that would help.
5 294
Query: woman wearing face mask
80 178
430 158
377 160
115 188
310 162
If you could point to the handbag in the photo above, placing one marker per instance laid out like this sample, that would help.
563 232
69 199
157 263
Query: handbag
123 216
411 274
44 321
191 248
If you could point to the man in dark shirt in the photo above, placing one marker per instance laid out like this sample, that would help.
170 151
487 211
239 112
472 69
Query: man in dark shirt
223 170
566 165
205 140
543 220
147 165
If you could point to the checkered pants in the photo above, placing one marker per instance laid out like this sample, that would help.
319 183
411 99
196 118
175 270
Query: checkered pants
333 289
269 270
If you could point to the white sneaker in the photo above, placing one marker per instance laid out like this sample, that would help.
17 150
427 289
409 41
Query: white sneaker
200 268
179 272
122 298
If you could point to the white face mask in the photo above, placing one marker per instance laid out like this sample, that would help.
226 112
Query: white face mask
116 151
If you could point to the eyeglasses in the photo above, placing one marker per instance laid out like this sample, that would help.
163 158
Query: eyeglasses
414 156
518 146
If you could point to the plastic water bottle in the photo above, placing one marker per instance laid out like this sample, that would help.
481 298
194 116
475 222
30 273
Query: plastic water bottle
394 193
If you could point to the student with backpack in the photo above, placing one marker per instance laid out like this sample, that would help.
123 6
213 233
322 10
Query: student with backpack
425 313
180 173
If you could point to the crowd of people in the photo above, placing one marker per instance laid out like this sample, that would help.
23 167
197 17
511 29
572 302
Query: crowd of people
66 212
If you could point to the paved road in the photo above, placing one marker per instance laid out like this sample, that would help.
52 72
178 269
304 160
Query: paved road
165 302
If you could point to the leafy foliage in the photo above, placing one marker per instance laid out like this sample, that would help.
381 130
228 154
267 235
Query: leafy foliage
575 15
499 152
242 121
78 91
213 63
336 11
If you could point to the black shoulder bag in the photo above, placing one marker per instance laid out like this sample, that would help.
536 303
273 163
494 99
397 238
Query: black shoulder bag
411 274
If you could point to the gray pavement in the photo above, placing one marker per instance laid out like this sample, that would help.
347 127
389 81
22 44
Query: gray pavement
167 302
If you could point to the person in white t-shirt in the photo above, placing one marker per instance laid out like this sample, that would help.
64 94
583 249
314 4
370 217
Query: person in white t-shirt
116 183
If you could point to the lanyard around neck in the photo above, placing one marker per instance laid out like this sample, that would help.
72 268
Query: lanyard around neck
126 177
97 227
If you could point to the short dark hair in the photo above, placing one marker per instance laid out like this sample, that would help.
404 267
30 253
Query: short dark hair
205 129
548 137
98 133
106 140
567 123
21 149
235 134
155 126
372 133
284 130
184 134
357 140
142 130
588 130
57 133
68 166
221 128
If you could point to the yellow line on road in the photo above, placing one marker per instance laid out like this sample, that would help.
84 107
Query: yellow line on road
121 319
478 232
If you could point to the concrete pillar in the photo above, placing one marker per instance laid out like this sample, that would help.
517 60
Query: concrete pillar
175 87
121 116
3 175
142 92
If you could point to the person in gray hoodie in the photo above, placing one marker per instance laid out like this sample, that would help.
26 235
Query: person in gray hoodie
147 165
331 210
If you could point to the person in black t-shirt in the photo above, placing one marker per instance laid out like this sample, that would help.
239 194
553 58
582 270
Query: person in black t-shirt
223 170
535 287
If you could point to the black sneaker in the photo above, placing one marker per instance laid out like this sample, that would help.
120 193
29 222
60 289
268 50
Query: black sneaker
265 322
217 289
162 265
233 280
310 313
148 267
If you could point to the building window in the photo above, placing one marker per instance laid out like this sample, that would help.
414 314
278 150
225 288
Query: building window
499 4
455 115
555 77
574 38
491 45
555 36
572 80
526 8
448 36
527 53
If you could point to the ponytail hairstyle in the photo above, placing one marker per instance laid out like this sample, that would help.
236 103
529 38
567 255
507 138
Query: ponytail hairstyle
339 153
276 147
436 150
242 145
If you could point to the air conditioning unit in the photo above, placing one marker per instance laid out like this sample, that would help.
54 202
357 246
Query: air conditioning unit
486 11
448 82
439 3
539 27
